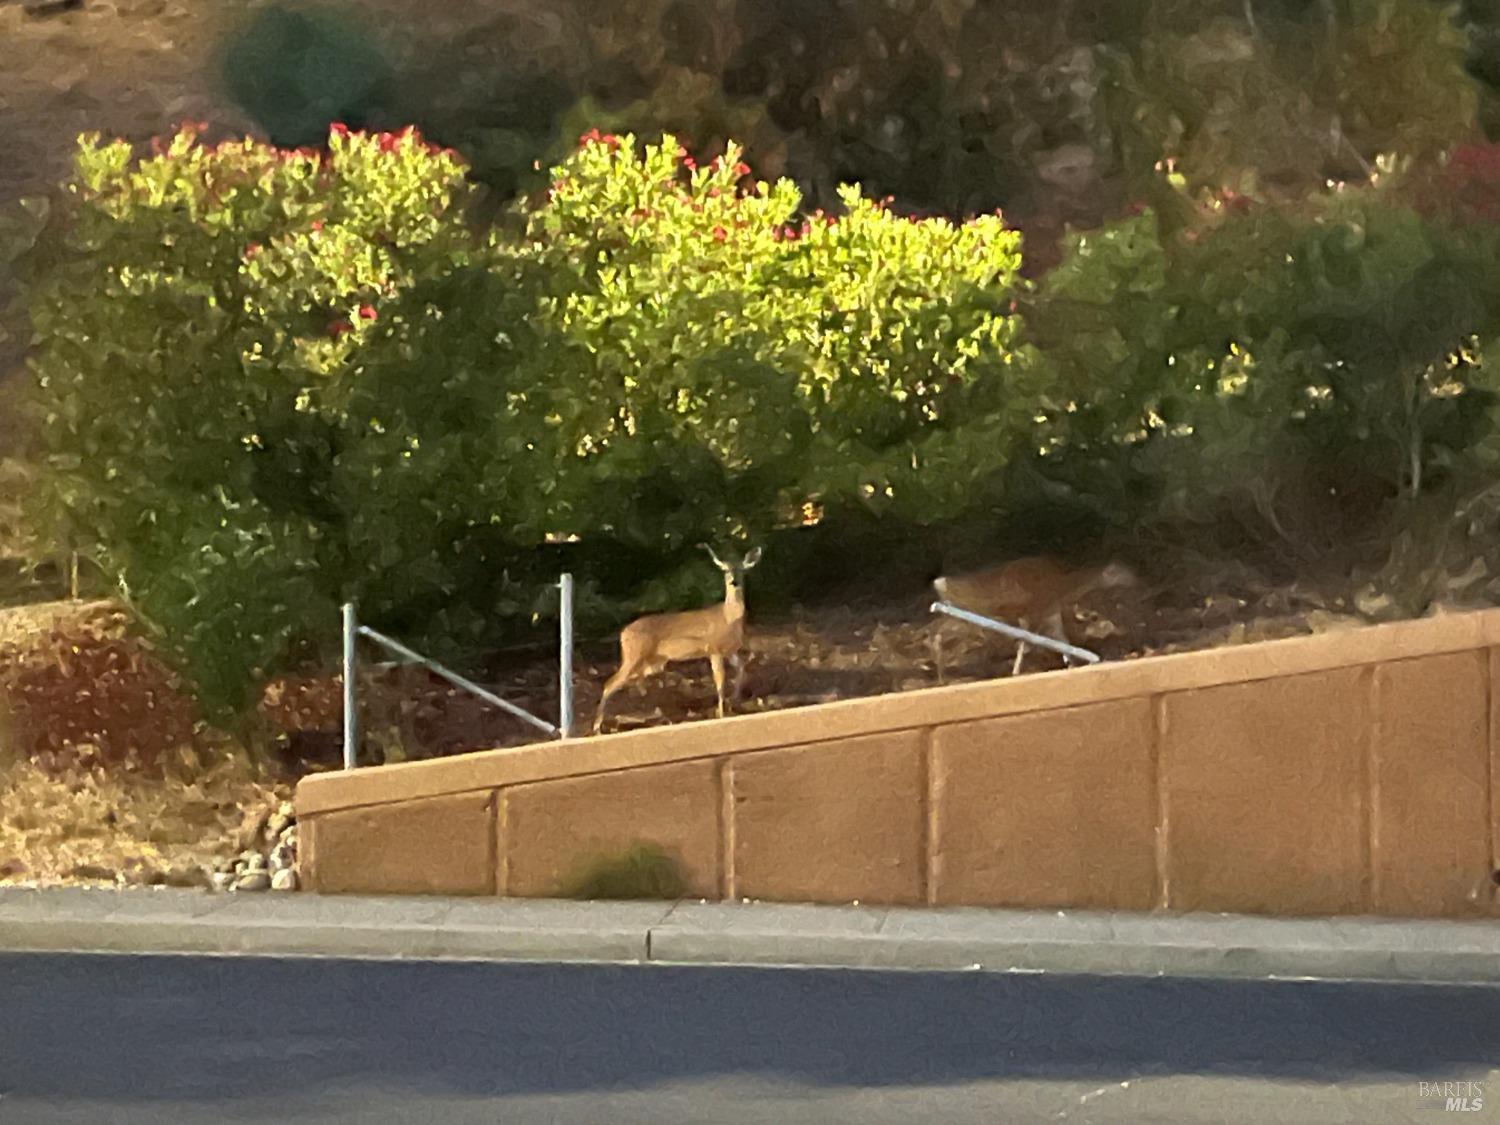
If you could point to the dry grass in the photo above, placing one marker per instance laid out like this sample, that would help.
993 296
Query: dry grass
95 824
105 776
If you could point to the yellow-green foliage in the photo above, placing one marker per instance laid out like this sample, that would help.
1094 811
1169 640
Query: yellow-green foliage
267 381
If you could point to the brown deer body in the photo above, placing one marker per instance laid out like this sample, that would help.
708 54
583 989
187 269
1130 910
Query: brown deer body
1031 592
648 644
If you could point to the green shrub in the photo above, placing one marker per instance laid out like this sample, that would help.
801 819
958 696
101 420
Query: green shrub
1297 363
268 381
293 72
199 317
643 871
667 355
763 360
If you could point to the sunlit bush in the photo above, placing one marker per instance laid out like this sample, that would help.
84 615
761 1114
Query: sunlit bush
266 381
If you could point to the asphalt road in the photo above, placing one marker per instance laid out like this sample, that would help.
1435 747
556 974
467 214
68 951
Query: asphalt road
126 1039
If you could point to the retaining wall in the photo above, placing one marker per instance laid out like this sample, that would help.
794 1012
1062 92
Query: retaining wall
1351 772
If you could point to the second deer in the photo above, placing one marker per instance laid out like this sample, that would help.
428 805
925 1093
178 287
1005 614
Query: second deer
1032 590
648 644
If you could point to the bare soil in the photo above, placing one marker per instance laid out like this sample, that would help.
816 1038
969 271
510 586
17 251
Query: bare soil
813 656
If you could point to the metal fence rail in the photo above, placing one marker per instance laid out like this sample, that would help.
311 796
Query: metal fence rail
1014 631
353 630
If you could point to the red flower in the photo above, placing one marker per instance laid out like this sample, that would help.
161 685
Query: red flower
720 234
742 169
251 250
714 193
591 137
317 224
339 129
339 327
366 312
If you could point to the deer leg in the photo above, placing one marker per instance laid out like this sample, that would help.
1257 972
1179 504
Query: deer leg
1054 629
936 642
626 671
717 662
738 692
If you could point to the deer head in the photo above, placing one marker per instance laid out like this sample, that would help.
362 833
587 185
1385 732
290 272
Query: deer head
734 574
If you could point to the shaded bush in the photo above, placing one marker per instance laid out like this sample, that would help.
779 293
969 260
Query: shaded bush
1301 370
643 871
295 72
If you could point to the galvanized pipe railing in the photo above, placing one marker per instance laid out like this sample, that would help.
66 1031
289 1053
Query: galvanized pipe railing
353 630
1014 631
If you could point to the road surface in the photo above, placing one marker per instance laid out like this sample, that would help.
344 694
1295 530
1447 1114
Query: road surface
121 1040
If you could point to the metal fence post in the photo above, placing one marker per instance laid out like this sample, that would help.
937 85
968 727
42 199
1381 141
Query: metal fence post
351 717
565 660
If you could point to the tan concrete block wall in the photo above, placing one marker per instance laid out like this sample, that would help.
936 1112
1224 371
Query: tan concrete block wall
1051 809
438 845
549 829
1345 773
830 823
1493 683
1263 794
1429 785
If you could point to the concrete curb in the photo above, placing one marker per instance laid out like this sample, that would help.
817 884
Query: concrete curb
1209 946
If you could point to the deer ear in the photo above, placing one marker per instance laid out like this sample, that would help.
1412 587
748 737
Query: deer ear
717 561
751 559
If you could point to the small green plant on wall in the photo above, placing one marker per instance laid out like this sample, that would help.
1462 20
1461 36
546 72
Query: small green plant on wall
642 871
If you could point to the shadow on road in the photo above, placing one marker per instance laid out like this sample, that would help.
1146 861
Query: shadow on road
121 1028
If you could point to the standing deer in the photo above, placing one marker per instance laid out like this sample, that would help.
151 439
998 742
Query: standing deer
648 644
1028 590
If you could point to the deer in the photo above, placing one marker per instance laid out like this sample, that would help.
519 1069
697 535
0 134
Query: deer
648 644
1037 589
